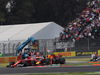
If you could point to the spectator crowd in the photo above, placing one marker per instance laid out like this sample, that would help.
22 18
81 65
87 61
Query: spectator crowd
87 24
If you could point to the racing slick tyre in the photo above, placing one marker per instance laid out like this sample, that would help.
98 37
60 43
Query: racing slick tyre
62 60
42 62
25 63
94 60
33 62
56 60
47 61
12 63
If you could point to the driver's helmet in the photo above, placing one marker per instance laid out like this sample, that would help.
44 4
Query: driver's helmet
38 54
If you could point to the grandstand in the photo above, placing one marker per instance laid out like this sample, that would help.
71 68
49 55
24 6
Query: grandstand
85 29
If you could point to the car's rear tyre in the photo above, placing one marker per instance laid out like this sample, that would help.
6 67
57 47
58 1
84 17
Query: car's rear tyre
56 60
42 61
62 60
47 61
12 63
25 63
33 62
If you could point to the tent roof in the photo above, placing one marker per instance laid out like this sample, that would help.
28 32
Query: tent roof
47 30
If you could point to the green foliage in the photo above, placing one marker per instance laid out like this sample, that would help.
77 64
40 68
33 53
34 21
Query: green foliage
22 12
30 11
2 10
2 17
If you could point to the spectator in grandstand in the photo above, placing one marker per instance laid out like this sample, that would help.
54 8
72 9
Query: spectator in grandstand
87 23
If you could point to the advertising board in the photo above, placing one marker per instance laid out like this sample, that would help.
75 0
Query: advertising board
85 53
66 54
8 59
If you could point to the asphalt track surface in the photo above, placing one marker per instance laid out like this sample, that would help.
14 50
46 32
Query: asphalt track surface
28 70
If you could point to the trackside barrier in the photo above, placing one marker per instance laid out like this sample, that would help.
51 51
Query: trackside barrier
74 53
8 59
66 54
86 53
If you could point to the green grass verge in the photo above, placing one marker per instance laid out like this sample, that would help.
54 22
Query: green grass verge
78 59
4 65
78 64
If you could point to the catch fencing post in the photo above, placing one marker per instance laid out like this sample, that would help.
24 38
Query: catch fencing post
9 48
17 47
13 49
4 49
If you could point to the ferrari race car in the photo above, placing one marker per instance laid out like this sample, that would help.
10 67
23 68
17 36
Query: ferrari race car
29 61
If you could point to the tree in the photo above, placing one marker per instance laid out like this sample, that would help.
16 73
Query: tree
2 11
22 12
30 11
2 17
59 11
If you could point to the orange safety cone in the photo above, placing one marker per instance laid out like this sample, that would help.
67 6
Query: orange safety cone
51 60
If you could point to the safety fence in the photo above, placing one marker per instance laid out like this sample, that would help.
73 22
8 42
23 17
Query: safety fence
9 48
87 44
81 45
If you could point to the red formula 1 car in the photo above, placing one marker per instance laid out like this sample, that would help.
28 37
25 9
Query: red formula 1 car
29 61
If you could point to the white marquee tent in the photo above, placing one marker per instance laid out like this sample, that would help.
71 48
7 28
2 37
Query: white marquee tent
47 30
